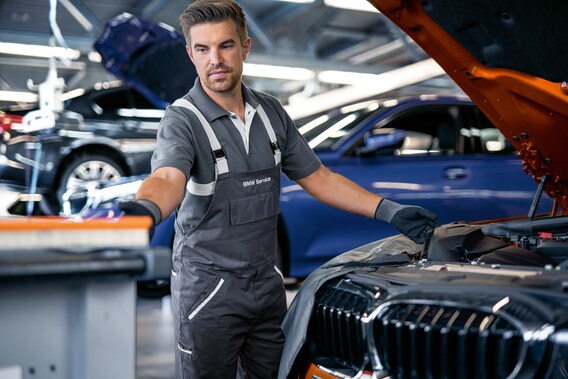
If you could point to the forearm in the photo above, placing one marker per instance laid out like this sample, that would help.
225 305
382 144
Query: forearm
165 189
339 192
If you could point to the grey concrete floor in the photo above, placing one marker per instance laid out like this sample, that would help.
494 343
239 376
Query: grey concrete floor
155 339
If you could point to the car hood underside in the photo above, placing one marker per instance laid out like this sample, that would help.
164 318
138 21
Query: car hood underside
508 57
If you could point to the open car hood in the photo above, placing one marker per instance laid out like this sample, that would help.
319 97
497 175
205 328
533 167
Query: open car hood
149 56
508 57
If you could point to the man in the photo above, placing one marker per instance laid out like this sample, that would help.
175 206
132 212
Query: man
220 151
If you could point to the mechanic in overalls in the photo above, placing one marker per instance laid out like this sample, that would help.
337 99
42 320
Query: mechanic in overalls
220 151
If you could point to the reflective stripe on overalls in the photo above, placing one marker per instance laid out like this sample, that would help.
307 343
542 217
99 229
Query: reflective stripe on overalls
228 299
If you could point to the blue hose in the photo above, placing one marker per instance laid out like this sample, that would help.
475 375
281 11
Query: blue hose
33 186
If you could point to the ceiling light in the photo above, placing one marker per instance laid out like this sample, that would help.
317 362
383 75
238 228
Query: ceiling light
356 5
72 94
299 1
277 72
39 51
382 83
17 96
30 97
313 124
369 105
141 113
344 77
94 57
332 130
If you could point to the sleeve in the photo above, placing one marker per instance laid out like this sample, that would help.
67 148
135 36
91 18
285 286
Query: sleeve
298 158
175 143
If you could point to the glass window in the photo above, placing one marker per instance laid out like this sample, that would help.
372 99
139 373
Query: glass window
324 131
480 136
424 130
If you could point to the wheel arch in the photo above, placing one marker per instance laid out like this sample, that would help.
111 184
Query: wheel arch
91 149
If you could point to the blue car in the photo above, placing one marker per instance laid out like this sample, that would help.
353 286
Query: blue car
441 153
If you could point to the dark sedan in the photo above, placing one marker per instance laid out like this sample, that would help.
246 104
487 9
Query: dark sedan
109 131
103 135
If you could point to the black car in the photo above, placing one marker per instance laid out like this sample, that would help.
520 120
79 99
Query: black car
108 132
476 300
103 135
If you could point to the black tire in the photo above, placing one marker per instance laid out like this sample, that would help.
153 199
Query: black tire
88 168
49 205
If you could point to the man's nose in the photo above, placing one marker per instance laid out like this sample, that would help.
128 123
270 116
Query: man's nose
214 57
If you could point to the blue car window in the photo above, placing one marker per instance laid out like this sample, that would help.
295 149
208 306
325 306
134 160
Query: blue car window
324 131
416 143
429 130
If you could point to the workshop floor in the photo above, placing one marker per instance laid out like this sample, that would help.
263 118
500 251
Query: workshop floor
155 339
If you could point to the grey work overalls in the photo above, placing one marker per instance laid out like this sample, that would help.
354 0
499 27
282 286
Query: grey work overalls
228 298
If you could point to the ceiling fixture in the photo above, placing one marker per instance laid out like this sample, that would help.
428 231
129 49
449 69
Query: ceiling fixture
299 1
305 74
39 51
277 72
344 77
356 5
18 96
381 83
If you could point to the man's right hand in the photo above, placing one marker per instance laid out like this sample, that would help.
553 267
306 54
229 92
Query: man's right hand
142 208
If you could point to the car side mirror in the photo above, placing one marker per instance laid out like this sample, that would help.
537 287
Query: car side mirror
382 141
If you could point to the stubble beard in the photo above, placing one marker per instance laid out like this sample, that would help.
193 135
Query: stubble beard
224 85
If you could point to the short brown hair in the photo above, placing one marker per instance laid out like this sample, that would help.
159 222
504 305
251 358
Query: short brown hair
212 11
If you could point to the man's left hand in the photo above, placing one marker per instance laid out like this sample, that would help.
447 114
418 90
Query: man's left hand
412 221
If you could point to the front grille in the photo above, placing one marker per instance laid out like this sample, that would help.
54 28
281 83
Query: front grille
429 335
336 328
416 340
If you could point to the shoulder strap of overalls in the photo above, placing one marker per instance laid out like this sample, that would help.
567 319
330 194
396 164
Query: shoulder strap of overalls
270 130
221 165
218 153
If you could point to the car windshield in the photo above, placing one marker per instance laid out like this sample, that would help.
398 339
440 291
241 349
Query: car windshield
324 131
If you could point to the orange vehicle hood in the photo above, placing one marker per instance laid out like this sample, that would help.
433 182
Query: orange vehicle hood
509 57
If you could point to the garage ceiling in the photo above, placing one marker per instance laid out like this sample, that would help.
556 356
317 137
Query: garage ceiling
311 35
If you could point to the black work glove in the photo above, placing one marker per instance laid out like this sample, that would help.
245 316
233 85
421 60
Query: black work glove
142 208
412 221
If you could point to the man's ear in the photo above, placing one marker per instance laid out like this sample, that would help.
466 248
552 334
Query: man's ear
246 48
189 53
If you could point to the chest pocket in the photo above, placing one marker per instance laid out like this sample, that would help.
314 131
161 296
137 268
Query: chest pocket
254 208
